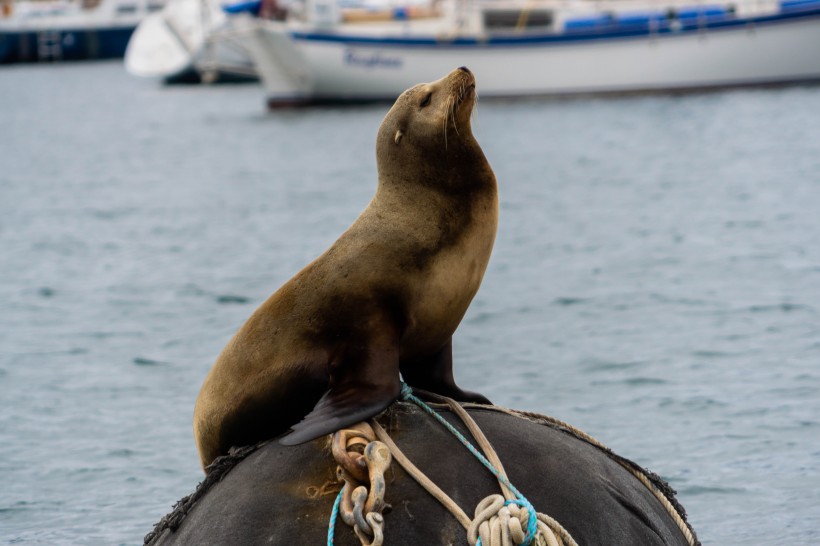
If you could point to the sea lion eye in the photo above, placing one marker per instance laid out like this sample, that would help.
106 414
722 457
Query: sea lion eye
426 100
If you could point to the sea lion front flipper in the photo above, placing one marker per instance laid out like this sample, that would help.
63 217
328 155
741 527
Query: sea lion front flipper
365 390
435 374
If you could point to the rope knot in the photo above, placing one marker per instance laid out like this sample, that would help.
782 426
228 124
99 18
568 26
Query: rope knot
499 522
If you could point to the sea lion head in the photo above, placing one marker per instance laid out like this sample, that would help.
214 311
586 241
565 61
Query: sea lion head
429 124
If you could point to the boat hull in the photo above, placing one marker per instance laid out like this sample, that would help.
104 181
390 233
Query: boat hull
63 44
775 49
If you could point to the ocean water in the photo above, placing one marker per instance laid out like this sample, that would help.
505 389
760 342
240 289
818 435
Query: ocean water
655 282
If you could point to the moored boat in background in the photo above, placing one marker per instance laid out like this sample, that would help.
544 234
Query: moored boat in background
190 41
537 48
67 30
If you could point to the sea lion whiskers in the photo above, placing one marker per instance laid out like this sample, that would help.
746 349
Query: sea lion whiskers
456 101
449 110
456 95
458 98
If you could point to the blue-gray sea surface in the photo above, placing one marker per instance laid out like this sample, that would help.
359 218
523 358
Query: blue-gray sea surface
655 282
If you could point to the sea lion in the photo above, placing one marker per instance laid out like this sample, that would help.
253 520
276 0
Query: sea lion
384 299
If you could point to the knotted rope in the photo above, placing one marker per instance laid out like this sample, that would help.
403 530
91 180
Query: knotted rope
499 520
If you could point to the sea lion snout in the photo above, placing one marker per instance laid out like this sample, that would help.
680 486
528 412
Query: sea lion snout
461 76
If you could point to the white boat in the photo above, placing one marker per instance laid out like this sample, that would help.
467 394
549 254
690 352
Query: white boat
189 41
538 48
64 30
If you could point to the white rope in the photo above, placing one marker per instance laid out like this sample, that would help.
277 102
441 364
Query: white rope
496 522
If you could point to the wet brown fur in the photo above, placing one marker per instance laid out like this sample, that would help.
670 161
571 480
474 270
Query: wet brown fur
386 296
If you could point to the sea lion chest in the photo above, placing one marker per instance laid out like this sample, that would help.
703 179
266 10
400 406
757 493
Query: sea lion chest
450 277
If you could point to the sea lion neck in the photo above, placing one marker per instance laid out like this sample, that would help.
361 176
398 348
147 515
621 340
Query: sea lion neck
459 168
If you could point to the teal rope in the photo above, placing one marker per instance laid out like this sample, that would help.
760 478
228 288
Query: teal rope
333 515
407 394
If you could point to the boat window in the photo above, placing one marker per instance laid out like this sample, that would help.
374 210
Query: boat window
126 9
517 19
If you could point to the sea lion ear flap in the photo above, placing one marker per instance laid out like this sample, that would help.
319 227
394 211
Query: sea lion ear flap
398 136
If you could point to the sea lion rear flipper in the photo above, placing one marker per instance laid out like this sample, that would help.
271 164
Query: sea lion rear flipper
435 374
365 390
